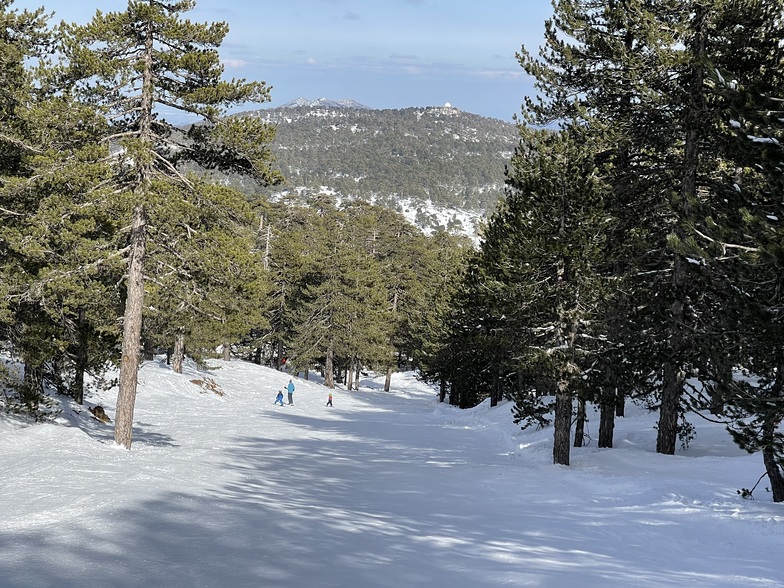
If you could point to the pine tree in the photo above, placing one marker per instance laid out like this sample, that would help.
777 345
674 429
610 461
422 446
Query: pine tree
52 243
743 235
126 64
555 222
637 72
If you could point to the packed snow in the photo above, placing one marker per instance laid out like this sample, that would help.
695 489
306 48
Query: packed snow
224 489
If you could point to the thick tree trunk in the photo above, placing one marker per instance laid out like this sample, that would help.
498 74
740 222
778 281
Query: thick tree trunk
227 351
178 352
579 425
359 373
563 424
329 374
607 420
132 330
442 390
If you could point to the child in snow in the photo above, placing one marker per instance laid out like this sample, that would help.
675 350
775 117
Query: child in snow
329 400
279 398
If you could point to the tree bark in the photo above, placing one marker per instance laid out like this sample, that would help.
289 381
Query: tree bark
669 409
620 404
607 419
579 426
178 353
563 424
772 467
227 351
329 374
32 386
388 380
132 330
442 390
350 377
80 359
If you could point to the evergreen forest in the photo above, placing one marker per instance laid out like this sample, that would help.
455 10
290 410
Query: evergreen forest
634 254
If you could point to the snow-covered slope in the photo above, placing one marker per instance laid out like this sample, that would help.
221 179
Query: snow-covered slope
381 490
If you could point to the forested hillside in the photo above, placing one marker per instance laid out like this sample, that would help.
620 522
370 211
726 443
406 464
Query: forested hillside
403 159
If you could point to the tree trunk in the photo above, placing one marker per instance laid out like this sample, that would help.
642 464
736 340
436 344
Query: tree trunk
563 424
32 386
620 404
80 358
329 375
669 410
227 351
495 393
350 377
442 390
607 420
388 380
454 395
579 425
178 353
132 330
359 372
772 467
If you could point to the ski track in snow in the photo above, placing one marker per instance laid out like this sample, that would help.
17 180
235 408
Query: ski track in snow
381 490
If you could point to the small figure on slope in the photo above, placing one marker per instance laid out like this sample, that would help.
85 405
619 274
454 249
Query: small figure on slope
279 398
290 388
329 400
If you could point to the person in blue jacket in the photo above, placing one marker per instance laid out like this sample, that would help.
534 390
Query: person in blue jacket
290 388
279 398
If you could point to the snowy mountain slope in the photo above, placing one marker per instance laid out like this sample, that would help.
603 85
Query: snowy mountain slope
383 489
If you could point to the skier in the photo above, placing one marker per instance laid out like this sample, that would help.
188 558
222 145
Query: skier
279 398
290 388
329 400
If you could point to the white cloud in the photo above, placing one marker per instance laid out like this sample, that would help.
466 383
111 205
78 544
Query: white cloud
235 63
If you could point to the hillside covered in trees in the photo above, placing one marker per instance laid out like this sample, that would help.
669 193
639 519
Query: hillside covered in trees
420 158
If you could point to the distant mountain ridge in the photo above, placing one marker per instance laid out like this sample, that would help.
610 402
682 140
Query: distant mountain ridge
324 103
438 165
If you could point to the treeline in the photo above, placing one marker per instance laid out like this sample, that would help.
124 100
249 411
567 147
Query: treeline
639 249
111 250
350 288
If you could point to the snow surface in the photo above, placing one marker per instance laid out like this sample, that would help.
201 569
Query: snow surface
382 490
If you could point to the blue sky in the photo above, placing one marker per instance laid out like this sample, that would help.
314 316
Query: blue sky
382 53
